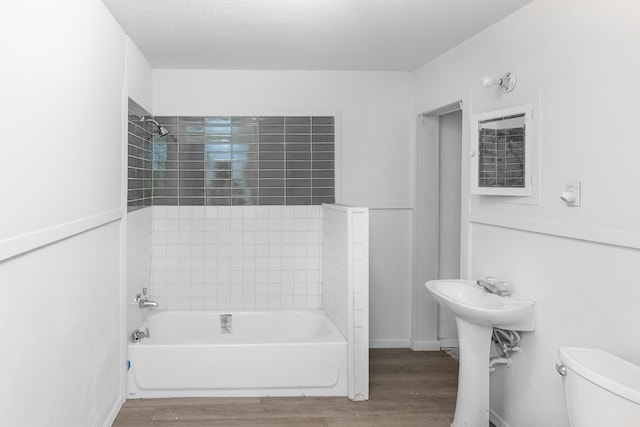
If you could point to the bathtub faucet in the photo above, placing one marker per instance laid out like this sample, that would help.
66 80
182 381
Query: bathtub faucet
143 302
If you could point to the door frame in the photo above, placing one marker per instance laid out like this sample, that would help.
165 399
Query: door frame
424 326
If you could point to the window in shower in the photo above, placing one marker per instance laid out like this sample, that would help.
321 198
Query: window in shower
241 160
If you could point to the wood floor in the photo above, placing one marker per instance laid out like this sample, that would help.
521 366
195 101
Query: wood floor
406 389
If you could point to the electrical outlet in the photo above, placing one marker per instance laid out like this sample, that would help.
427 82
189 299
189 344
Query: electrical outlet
571 195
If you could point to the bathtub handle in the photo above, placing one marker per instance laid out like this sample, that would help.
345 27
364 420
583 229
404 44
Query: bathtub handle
138 334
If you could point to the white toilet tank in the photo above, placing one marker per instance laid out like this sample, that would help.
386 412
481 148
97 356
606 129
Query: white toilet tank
600 389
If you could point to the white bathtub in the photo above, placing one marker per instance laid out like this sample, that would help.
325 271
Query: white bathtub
263 353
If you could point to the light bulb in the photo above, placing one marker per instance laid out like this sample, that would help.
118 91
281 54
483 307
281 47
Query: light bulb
488 81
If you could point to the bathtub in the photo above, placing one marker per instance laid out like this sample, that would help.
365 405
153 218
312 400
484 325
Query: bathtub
237 353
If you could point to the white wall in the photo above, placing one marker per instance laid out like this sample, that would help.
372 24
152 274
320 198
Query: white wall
373 157
61 83
139 76
562 53
59 309
390 277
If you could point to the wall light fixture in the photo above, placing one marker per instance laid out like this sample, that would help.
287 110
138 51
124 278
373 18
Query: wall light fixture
506 82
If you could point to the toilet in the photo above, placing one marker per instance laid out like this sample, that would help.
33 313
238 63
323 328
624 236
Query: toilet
600 389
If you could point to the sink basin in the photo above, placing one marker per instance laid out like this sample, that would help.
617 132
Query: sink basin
477 313
472 303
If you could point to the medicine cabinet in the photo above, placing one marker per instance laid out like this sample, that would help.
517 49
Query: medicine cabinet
501 152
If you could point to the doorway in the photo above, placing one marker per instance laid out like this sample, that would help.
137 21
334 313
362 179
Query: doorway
437 222
450 175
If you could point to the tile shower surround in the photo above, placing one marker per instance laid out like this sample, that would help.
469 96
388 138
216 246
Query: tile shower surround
208 252
237 257
223 161
501 158
139 154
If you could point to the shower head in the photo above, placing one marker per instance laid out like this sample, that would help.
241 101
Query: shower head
162 131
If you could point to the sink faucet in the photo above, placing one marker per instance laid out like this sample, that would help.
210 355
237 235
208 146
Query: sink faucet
491 285
143 302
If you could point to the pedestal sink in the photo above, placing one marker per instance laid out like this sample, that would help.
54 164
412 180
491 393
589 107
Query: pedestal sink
477 312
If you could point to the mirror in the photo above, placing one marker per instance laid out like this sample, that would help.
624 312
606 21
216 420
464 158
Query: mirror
501 152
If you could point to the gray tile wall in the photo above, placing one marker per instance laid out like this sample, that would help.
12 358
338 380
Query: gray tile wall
139 184
228 161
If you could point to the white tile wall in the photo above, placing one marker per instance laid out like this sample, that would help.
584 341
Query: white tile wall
359 259
237 257
336 267
139 224
346 287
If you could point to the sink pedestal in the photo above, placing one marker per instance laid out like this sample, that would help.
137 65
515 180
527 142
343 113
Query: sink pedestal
477 313
472 403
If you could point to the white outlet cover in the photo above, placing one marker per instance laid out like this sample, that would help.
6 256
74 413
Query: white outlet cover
574 186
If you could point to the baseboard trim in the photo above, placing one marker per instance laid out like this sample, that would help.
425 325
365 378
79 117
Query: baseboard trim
389 343
114 411
425 345
496 420
449 343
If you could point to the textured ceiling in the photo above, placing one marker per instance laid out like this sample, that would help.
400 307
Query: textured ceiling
397 35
